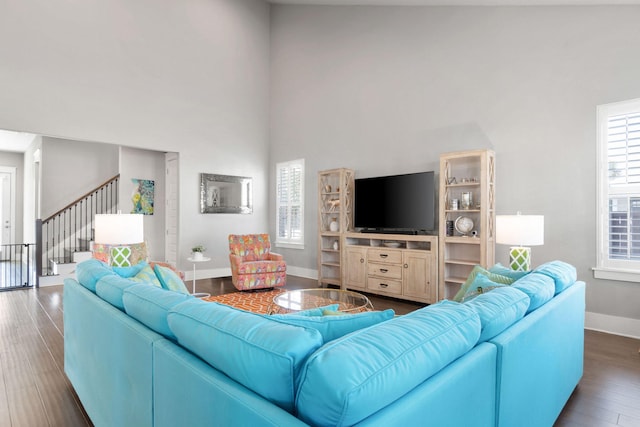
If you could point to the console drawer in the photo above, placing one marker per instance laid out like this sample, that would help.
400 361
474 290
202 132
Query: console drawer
389 286
385 255
384 270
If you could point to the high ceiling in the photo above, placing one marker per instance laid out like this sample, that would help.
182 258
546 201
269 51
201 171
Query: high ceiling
460 2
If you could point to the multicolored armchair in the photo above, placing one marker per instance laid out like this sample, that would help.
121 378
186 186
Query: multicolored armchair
253 265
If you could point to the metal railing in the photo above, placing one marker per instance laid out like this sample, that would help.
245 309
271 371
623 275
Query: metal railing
17 269
71 228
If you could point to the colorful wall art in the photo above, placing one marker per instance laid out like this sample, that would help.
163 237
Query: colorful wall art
142 196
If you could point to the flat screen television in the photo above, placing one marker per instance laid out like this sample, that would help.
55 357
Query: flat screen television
397 203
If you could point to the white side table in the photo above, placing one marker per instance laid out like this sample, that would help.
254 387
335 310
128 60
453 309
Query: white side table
195 261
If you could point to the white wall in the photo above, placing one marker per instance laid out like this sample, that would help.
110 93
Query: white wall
387 89
145 164
70 169
189 77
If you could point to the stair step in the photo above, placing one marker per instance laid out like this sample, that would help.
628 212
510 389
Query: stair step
61 266
81 256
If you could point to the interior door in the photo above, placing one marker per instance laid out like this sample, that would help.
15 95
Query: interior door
7 201
171 216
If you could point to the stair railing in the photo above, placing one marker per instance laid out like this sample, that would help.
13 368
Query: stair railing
70 229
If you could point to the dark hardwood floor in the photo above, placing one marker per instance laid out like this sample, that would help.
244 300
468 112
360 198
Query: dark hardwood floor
35 392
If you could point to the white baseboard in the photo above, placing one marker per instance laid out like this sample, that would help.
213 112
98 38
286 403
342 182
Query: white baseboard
307 273
207 273
623 326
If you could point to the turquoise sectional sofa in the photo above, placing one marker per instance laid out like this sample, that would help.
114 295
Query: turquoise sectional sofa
139 355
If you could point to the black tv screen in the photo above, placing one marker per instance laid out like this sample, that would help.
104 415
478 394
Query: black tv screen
398 202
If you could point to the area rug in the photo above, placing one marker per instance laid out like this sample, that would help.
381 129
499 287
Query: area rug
256 301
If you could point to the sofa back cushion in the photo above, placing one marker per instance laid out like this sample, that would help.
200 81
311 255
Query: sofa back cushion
111 288
90 271
352 377
150 306
563 274
539 287
261 354
499 309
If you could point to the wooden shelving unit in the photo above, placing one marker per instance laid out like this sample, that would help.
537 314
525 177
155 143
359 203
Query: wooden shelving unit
335 204
469 172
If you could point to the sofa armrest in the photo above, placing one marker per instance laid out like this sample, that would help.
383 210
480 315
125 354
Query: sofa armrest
275 257
235 259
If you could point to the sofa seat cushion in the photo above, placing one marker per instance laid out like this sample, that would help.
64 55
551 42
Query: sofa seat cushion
150 306
499 309
90 271
539 287
263 355
316 311
352 377
563 274
260 267
334 326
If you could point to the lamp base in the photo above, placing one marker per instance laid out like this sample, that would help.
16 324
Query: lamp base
520 258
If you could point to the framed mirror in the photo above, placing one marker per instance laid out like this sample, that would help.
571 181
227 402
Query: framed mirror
226 194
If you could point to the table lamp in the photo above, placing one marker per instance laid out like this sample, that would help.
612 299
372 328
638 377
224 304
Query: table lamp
119 229
520 231
119 239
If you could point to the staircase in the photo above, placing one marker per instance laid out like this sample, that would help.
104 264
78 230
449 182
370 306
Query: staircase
64 238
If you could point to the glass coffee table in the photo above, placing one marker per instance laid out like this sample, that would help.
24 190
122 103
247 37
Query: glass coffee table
304 299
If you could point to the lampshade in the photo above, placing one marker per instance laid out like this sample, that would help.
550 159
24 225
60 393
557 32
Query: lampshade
119 229
522 230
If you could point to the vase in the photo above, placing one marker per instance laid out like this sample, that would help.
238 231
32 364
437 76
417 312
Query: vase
197 255
333 225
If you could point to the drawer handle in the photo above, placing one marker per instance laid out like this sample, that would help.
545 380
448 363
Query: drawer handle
383 285
406 266
383 270
361 260
383 255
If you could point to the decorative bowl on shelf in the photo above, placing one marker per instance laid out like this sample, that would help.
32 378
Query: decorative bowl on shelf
392 244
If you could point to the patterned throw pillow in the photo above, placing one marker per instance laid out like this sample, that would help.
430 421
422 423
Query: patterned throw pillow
138 252
146 275
498 278
101 252
121 256
169 279
480 285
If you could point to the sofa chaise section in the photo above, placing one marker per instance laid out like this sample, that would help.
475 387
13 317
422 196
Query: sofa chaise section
190 392
107 358
540 361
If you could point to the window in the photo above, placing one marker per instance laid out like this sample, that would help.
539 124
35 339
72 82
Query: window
619 191
290 203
